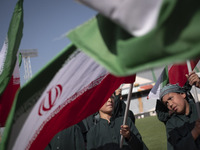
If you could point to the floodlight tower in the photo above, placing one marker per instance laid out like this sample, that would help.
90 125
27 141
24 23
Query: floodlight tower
26 55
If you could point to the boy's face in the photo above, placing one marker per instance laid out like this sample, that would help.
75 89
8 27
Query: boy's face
108 106
175 102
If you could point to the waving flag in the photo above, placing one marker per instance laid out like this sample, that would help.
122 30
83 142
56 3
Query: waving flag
9 68
8 53
70 88
174 39
171 74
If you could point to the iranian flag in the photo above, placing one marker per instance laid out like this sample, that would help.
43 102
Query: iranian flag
171 74
173 36
67 90
9 68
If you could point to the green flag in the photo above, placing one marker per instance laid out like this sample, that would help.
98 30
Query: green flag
175 38
8 53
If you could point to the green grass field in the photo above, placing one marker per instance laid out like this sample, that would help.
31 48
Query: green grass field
153 133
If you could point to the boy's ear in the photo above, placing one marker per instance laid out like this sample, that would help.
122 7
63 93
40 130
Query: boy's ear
183 95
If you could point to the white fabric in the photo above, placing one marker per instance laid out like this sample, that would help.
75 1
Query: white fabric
16 73
3 54
155 91
138 17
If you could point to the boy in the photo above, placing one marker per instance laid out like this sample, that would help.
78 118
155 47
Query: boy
107 132
183 127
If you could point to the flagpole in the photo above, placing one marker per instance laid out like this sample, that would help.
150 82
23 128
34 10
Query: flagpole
194 91
126 111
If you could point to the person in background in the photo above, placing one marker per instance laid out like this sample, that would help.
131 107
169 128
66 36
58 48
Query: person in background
183 126
163 113
105 135
119 110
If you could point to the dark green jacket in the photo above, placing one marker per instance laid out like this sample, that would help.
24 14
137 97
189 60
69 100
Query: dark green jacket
106 136
67 139
179 131
120 107
162 112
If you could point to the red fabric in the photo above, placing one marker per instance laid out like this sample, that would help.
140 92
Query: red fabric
6 100
177 73
85 105
128 79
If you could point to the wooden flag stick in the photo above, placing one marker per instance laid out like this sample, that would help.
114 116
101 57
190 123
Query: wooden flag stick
126 111
194 90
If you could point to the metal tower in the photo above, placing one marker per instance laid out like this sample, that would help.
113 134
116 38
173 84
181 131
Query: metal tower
26 55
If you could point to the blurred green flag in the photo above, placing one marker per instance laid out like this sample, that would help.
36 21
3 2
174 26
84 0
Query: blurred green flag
175 38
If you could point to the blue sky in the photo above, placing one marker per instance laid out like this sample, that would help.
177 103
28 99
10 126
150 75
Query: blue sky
45 24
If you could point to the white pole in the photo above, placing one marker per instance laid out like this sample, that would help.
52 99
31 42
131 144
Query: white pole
194 90
126 111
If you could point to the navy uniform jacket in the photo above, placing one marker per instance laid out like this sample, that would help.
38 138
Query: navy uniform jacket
179 129
106 136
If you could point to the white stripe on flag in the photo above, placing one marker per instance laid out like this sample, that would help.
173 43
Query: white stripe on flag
3 54
155 91
16 73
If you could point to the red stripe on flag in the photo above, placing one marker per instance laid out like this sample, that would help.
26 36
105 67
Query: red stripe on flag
6 99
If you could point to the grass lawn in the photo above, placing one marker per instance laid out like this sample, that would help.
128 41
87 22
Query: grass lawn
153 133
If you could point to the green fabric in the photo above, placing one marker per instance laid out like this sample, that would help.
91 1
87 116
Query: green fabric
20 59
162 112
174 39
165 76
14 37
179 130
106 136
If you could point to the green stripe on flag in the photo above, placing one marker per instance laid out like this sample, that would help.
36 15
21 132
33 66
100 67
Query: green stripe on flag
165 77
